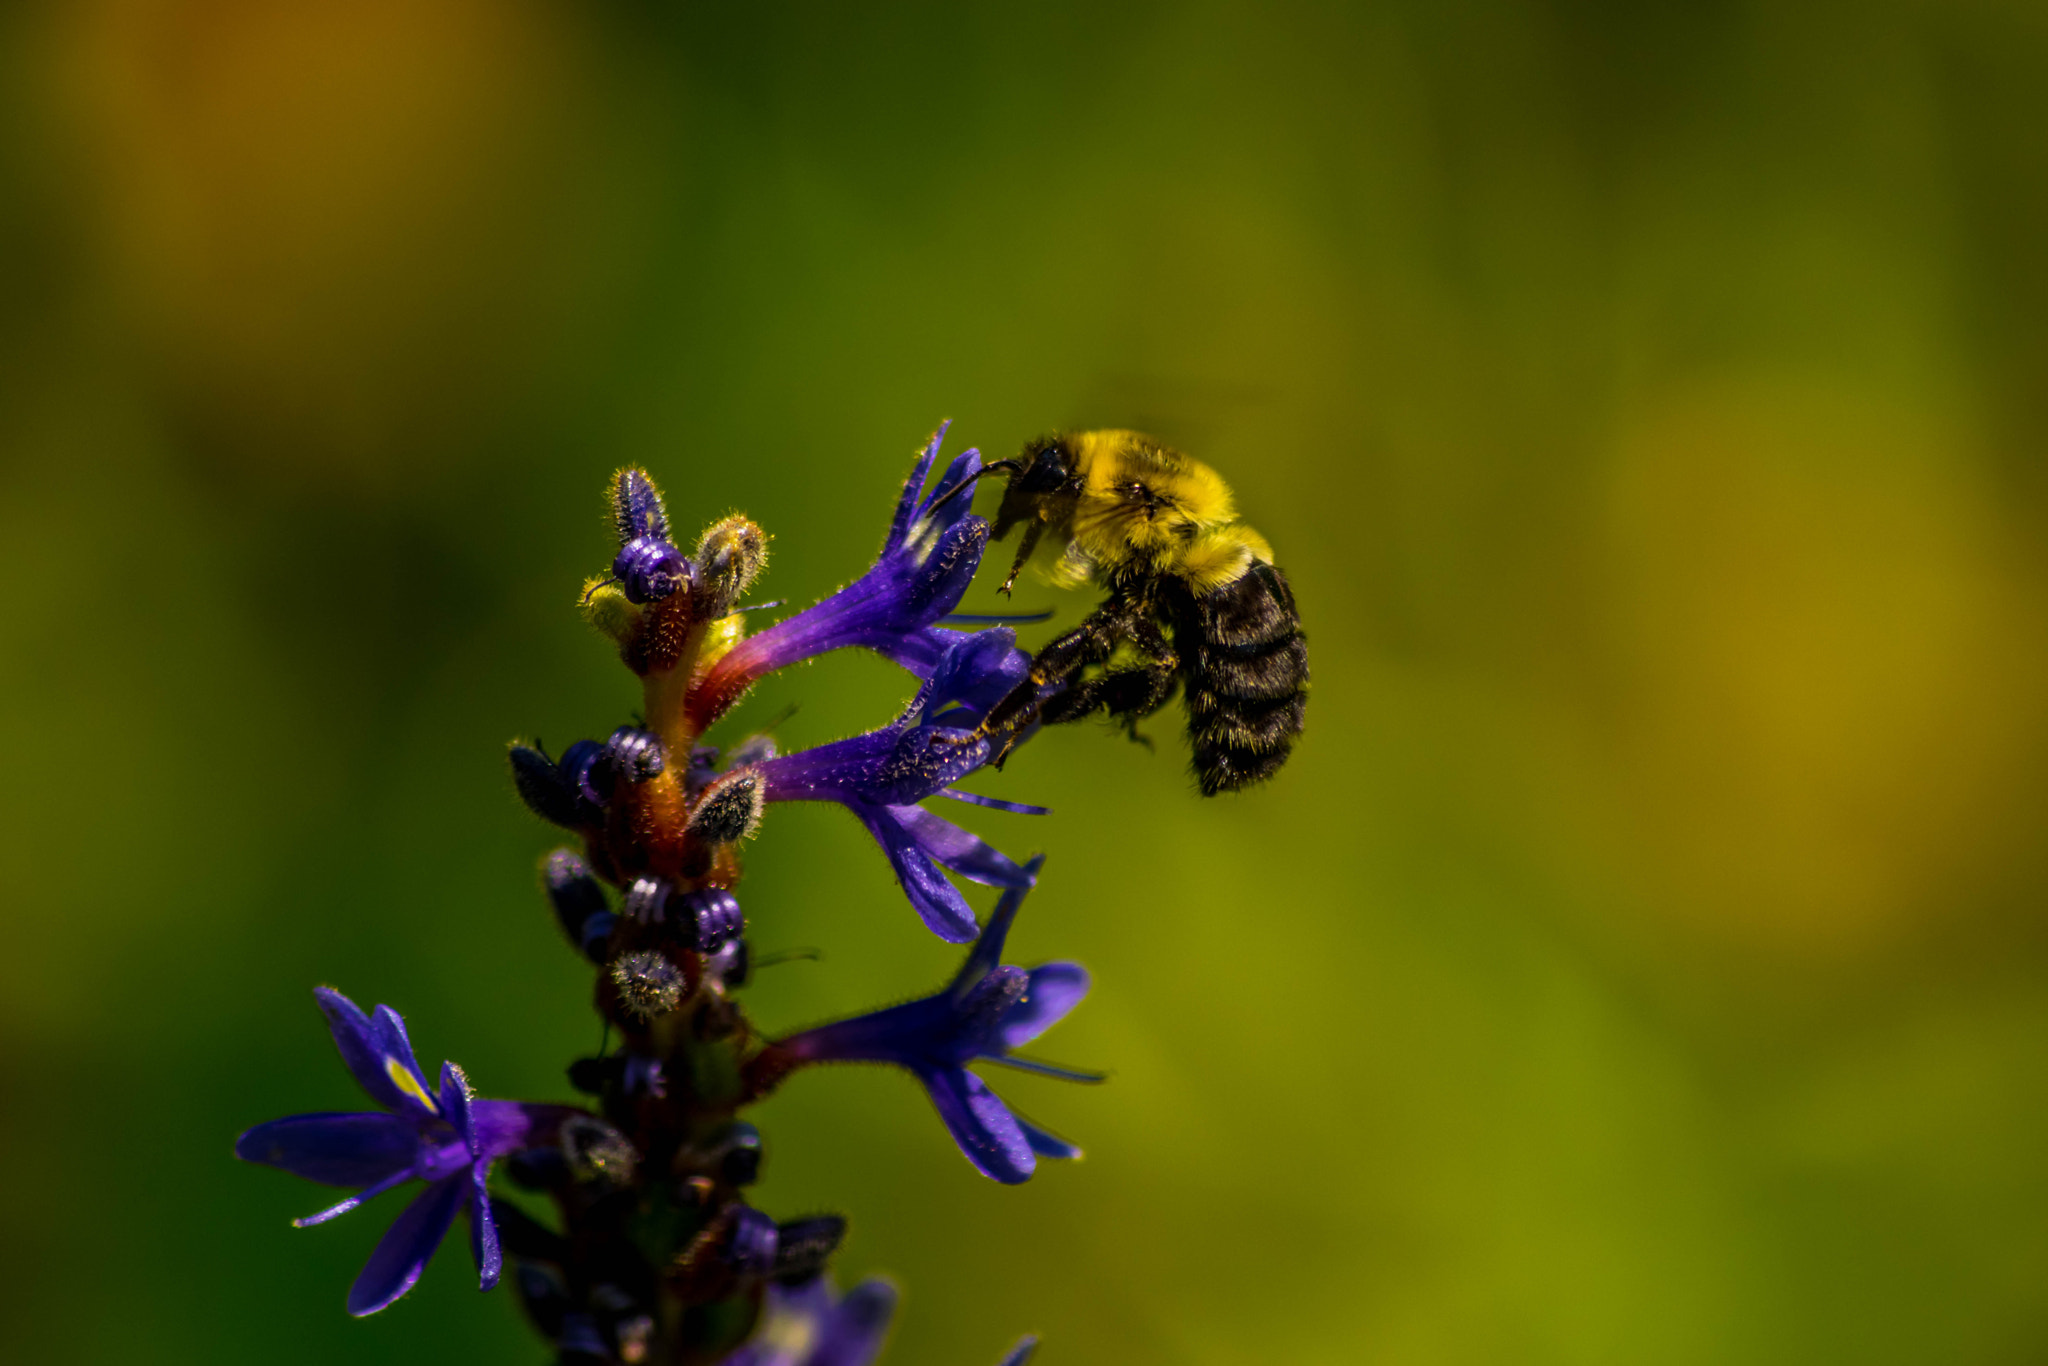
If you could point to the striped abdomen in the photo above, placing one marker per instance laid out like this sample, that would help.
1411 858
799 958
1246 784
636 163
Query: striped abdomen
1244 665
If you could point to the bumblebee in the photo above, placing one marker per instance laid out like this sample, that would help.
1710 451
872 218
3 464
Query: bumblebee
1195 603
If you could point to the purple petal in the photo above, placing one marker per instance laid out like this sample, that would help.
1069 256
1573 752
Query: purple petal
403 1252
907 505
968 855
455 1104
1046 1143
937 902
1021 1353
988 949
1055 989
334 1149
483 1228
981 1124
978 671
364 1048
853 1330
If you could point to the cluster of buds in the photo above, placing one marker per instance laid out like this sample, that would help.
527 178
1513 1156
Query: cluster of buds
655 1254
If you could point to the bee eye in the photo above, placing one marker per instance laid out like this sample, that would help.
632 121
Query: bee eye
650 569
1046 470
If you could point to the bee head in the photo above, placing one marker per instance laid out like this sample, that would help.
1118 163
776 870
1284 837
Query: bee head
1044 471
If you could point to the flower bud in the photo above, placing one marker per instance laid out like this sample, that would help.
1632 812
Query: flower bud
729 558
751 1248
635 754
730 808
803 1246
542 786
578 901
596 1151
716 915
637 510
737 1154
647 899
650 986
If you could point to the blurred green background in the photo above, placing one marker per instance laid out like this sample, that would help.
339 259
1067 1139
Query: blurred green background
1642 960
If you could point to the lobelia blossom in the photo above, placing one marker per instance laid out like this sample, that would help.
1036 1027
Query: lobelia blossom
442 1136
882 776
987 1010
930 555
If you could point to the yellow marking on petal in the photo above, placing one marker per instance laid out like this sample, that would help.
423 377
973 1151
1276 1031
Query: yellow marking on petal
402 1077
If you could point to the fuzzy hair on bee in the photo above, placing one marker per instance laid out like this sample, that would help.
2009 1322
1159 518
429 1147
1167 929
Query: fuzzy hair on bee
1195 603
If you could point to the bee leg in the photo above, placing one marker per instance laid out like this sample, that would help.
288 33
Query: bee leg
1089 643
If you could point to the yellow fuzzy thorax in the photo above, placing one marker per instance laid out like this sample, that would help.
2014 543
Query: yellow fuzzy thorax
1146 504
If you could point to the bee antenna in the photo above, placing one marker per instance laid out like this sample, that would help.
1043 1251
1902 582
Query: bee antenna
1007 466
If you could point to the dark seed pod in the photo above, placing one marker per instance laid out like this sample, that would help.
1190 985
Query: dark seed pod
803 1246
595 1151
542 787
650 986
730 808
578 899
594 1076
636 755
737 1155
715 913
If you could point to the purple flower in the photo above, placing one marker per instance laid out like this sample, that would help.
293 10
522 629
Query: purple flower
985 1012
808 1324
932 550
883 775
442 1136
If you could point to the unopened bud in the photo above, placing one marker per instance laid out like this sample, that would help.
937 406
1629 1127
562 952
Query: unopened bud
542 786
738 1154
751 1248
803 1246
717 917
729 558
637 509
730 808
596 1151
650 986
647 899
636 755
578 900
